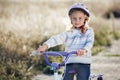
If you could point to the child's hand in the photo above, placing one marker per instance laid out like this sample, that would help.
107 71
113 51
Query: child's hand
81 52
42 48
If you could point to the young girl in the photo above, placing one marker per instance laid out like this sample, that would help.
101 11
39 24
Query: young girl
80 38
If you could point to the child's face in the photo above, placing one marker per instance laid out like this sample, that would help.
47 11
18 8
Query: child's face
77 19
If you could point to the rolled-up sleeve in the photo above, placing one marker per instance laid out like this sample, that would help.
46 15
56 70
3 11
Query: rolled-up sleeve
56 40
90 41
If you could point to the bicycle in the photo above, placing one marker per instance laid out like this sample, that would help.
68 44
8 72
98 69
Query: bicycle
56 66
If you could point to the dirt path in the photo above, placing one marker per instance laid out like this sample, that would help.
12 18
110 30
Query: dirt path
109 66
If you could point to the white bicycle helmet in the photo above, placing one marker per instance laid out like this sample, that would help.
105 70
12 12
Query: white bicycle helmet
81 7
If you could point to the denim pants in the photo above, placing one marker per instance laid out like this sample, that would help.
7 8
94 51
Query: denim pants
82 71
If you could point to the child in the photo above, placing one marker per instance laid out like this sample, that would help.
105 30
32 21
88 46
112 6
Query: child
80 38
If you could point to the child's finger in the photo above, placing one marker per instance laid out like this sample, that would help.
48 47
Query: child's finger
78 53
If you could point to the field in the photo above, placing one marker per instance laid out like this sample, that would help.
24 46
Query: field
24 25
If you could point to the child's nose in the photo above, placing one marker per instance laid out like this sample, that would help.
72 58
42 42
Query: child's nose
77 20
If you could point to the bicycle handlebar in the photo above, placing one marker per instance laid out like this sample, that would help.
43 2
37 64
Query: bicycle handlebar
64 54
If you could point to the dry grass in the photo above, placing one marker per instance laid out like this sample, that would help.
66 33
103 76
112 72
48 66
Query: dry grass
26 24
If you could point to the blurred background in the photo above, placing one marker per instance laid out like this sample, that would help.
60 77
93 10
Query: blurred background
25 24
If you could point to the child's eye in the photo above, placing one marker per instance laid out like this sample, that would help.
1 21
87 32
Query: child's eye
80 18
74 18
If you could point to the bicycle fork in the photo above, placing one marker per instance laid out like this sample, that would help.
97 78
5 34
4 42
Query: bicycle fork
56 76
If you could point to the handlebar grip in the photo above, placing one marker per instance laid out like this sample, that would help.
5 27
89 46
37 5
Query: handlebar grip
33 53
